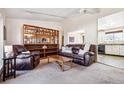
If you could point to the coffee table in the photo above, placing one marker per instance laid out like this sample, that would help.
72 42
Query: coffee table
61 60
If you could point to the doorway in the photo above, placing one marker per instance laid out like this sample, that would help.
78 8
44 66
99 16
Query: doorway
111 40
1 41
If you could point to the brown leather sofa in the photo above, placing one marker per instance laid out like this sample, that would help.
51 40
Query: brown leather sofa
25 61
86 59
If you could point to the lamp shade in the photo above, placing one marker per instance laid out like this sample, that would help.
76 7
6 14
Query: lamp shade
8 48
8 51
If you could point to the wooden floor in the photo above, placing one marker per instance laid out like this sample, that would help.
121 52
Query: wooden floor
115 61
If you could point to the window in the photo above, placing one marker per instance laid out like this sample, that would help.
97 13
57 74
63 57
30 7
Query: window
114 36
118 36
109 37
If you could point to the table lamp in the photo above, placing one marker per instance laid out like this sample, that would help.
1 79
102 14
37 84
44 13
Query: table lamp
8 51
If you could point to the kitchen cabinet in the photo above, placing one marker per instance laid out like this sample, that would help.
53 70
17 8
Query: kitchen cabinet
121 50
114 49
108 49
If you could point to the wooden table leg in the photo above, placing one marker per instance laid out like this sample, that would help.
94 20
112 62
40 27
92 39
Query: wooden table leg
62 66
48 59
71 64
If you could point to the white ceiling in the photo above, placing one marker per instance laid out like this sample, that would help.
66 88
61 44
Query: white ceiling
51 14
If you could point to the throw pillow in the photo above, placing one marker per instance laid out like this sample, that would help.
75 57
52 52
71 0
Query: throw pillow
81 52
87 47
26 52
9 54
75 50
63 48
23 56
67 49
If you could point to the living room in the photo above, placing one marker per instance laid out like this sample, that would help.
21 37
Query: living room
48 37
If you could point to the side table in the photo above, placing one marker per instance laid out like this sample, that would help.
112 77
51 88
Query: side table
9 67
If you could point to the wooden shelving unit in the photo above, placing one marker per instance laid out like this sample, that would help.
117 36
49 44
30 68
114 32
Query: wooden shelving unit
38 35
51 48
36 38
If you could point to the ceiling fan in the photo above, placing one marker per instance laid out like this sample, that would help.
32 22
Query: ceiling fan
89 10
84 11
76 12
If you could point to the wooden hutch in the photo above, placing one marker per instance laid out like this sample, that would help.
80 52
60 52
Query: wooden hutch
41 39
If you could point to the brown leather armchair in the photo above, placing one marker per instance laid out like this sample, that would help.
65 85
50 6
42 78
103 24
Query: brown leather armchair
25 61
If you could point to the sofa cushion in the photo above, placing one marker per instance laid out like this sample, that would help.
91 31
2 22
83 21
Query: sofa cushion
87 47
81 52
67 49
26 52
81 57
23 56
67 54
75 50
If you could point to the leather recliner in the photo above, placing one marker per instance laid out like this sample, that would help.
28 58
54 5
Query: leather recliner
86 59
25 61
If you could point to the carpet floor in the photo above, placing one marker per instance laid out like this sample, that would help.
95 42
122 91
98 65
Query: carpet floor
50 73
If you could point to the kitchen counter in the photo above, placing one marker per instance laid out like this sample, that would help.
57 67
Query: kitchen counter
112 49
112 44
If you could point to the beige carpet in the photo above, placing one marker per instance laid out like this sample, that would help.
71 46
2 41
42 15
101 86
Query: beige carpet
47 73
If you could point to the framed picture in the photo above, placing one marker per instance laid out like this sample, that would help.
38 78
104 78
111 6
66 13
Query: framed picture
71 39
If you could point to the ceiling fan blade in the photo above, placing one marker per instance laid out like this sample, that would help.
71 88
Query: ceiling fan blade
84 11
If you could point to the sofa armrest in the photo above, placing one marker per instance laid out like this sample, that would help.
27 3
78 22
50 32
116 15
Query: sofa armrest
89 53
88 58
23 56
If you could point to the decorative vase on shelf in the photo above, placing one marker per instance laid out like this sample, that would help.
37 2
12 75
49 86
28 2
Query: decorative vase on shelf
44 47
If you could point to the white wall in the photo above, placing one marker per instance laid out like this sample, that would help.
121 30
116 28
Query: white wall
1 38
77 36
91 31
111 21
86 24
15 29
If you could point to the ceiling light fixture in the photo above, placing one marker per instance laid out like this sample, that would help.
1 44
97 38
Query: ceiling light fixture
89 10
